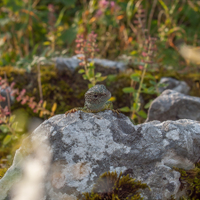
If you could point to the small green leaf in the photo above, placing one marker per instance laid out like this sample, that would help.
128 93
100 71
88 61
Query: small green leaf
35 49
91 73
7 139
99 79
47 43
162 84
135 75
133 52
12 118
85 77
144 85
90 85
111 77
98 75
150 90
91 65
4 128
91 79
148 104
136 106
60 16
125 109
164 6
136 79
81 71
142 114
5 21
149 76
152 82
128 90
69 35
15 127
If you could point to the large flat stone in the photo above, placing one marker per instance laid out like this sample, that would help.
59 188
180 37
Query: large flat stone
85 145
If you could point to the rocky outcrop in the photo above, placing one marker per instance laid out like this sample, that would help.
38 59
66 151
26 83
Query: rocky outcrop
171 105
173 84
85 145
70 64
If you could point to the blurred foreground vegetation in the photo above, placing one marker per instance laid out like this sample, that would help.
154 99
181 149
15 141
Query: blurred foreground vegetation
34 32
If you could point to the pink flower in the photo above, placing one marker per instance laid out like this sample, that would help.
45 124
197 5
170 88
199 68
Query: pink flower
18 98
103 3
40 103
32 105
12 85
24 100
51 8
144 54
5 111
141 67
23 92
112 4
99 13
2 98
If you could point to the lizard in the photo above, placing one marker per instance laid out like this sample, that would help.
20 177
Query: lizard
96 100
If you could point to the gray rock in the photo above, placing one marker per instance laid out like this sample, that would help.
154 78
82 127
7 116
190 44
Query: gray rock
68 64
171 105
72 63
173 84
85 145
109 63
7 94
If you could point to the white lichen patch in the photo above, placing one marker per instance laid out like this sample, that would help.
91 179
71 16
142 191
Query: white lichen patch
41 133
60 196
196 128
54 133
118 169
51 129
72 175
171 159
165 142
102 122
86 136
173 134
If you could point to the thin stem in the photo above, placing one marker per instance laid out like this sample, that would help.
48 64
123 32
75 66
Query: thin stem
140 85
141 82
151 14
11 129
7 94
53 42
139 90
39 82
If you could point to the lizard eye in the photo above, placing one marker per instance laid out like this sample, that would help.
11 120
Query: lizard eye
95 96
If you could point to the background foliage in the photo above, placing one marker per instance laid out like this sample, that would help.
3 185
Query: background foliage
34 32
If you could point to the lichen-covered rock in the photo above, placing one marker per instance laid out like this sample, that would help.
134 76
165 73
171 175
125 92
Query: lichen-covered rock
85 145
171 105
173 84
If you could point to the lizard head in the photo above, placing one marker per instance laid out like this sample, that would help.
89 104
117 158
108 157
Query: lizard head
96 97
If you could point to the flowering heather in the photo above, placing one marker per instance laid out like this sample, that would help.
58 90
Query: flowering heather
86 47
51 16
20 97
103 5
149 50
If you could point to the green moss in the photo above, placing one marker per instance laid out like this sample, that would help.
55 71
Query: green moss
190 180
2 172
110 186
